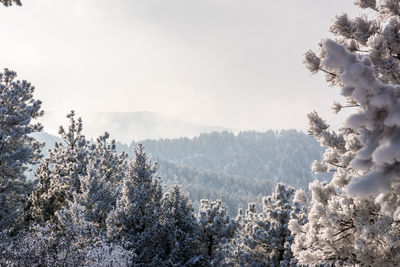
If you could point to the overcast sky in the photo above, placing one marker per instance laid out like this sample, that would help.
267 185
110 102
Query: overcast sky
233 63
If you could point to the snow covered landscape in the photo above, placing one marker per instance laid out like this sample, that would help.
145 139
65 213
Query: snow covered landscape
153 190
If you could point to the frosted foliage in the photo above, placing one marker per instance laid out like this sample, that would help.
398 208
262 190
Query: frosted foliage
353 220
41 246
18 149
372 35
319 167
376 122
216 228
366 3
137 218
311 61
87 174
17 110
108 254
181 226
336 107
59 174
264 237
71 203
78 232
82 240
342 25
31 249
390 7
99 187
379 158
318 128
300 196
345 231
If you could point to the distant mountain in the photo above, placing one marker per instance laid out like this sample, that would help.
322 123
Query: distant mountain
128 126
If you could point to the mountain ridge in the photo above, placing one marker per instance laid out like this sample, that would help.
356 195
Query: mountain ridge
128 126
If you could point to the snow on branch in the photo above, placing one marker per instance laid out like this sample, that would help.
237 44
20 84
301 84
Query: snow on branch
377 121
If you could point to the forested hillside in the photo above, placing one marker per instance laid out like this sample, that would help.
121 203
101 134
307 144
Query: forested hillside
237 169
235 191
279 156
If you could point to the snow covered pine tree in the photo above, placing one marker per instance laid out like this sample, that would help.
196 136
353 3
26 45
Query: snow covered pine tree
180 240
264 238
17 148
59 174
77 188
137 221
216 229
354 219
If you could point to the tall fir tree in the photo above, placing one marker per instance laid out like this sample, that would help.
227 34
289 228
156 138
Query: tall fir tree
137 220
216 229
18 150
59 174
180 240
100 187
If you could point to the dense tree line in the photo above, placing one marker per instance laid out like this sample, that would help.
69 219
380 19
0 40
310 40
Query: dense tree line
235 191
283 156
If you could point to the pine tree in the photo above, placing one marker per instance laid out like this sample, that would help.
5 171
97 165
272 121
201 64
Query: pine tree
17 149
264 238
136 220
81 222
81 242
354 218
78 186
89 174
216 229
180 240
101 184
59 174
